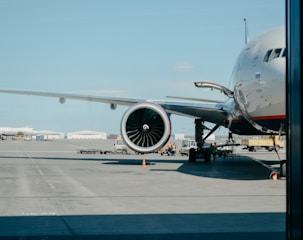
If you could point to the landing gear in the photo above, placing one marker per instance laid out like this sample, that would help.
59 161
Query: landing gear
192 155
283 171
203 150
207 154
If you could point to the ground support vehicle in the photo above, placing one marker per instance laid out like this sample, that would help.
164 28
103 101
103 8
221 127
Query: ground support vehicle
166 152
120 147
269 143
186 145
93 151
224 151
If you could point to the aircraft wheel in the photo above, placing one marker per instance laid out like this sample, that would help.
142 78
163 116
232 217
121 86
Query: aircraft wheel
192 155
207 155
283 169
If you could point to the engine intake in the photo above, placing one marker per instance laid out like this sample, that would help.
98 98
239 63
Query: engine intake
145 127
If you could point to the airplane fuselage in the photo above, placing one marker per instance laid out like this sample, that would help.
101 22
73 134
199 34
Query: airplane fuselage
258 82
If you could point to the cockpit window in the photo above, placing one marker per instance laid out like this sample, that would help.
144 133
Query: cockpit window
267 55
274 53
284 52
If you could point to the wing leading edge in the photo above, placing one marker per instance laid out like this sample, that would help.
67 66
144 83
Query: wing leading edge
210 112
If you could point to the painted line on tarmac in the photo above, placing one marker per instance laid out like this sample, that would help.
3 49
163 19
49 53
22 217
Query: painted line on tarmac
40 171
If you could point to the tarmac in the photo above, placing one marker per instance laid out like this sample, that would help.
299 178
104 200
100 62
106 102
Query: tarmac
50 191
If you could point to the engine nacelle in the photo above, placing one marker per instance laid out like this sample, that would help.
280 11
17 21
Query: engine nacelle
145 127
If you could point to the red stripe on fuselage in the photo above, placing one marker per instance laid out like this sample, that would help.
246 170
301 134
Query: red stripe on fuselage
276 117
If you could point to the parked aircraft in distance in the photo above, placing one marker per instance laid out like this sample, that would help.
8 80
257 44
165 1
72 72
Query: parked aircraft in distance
255 102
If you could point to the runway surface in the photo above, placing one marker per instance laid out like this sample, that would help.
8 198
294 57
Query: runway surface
49 191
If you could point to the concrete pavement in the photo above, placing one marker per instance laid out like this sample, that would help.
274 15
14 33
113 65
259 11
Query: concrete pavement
49 191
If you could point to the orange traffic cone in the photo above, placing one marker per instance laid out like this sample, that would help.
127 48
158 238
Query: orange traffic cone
143 163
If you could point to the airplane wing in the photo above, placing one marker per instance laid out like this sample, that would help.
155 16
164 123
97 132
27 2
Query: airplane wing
210 112
63 96
146 126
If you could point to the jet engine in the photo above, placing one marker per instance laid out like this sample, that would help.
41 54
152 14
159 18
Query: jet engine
145 127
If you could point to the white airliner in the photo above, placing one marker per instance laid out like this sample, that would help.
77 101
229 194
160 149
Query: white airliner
255 102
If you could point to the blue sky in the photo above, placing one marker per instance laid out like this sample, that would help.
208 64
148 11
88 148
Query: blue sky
147 48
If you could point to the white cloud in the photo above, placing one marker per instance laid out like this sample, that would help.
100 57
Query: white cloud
183 67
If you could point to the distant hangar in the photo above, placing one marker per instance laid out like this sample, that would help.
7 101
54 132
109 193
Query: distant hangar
86 135
28 133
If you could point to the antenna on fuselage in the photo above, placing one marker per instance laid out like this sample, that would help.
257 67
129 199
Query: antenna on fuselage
246 31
